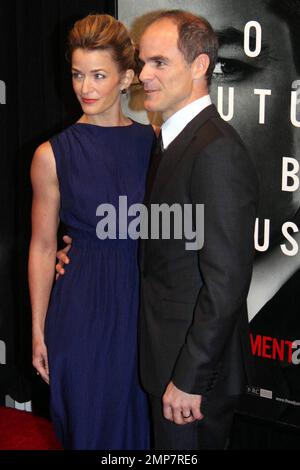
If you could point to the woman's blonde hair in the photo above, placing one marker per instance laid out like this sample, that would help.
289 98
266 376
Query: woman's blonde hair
103 32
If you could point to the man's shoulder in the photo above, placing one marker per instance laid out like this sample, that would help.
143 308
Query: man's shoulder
216 142
211 122
212 129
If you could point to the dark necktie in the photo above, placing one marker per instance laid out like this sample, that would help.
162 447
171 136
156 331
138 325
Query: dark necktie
160 145
155 161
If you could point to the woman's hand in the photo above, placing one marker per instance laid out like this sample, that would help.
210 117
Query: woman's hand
40 359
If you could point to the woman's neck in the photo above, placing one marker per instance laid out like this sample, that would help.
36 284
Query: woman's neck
104 120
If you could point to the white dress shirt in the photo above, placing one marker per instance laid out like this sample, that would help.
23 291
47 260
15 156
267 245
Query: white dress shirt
177 122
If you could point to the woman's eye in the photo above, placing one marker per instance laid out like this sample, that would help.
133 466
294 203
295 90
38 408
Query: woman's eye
98 76
77 75
232 69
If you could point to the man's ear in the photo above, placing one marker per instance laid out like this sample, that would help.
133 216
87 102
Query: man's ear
126 80
200 66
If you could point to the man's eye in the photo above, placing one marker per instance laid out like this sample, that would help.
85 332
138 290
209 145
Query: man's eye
232 70
159 63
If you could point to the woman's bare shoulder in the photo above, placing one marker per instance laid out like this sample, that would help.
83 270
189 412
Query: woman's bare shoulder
43 162
44 150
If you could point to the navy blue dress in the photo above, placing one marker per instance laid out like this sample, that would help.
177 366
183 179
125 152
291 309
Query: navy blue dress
91 325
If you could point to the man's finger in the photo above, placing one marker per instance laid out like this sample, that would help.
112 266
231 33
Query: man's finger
67 239
167 412
196 412
63 258
59 269
187 415
177 416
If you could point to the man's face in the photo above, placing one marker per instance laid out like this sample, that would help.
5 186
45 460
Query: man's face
167 78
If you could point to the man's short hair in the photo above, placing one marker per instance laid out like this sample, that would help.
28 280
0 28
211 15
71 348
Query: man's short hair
195 36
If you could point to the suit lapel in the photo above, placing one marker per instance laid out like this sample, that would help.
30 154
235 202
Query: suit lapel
163 166
175 152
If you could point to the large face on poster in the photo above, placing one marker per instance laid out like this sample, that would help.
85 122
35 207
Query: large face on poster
255 88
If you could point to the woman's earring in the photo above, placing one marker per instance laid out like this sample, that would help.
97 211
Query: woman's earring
124 91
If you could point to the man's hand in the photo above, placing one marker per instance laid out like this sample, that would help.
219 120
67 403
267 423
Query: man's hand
62 257
181 407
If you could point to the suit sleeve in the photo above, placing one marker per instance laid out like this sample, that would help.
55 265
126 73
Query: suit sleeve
225 181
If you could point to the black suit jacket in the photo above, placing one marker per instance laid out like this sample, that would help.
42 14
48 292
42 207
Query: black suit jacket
193 324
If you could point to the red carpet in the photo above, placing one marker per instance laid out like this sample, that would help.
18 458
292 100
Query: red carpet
20 430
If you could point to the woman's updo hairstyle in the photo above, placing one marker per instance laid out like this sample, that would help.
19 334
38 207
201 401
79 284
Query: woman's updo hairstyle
103 32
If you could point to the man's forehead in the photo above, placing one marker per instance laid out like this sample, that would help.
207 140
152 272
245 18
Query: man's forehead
164 27
159 36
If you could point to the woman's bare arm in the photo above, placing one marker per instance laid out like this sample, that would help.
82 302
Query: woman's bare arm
43 246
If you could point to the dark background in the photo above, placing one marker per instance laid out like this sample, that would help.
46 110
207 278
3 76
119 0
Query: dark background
39 103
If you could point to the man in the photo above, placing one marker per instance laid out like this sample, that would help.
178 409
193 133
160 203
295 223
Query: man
193 314
193 326
273 303
275 69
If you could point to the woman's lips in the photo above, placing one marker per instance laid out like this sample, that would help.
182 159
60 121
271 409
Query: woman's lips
88 100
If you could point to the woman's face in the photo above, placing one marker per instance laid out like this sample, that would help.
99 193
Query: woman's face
97 82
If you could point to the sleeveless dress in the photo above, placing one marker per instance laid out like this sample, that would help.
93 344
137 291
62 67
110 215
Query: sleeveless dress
96 401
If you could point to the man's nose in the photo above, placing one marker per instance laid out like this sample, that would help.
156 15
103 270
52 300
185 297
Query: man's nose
145 74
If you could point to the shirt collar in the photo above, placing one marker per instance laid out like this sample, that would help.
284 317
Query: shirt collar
177 122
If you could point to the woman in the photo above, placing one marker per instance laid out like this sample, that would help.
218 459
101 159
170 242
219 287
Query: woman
84 339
